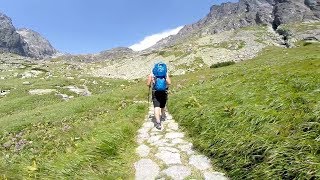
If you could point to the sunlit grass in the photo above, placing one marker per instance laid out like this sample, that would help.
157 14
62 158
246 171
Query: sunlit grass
257 119
43 136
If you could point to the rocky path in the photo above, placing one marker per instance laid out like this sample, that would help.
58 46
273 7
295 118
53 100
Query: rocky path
166 154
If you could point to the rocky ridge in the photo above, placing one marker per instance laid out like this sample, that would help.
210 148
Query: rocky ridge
37 45
24 42
10 40
230 32
232 16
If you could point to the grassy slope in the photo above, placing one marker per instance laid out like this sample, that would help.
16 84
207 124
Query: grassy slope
258 119
89 137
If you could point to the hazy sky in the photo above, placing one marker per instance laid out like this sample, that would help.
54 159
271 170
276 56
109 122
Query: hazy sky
75 26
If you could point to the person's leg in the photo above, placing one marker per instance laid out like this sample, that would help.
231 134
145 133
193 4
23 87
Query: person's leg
163 114
157 110
157 114
163 103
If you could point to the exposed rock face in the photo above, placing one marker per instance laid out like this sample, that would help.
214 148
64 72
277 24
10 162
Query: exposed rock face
36 45
115 53
228 16
24 42
10 40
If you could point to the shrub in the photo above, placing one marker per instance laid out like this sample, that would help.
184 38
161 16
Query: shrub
222 64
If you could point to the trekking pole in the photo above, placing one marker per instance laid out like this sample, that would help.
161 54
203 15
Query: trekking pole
149 96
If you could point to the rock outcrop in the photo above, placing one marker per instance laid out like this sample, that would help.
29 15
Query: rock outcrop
24 42
115 53
10 40
229 16
36 45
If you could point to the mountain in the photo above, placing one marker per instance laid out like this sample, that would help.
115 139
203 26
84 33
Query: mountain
36 45
24 42
232 16
10 40
115 53
230 32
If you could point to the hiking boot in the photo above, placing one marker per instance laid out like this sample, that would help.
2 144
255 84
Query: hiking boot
163 118
158 126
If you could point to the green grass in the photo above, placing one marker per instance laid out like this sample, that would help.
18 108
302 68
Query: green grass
258 119
301 27
44 137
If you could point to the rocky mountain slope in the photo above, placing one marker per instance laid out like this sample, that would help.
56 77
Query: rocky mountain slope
230 32
24 42
231 16
10 40
37 46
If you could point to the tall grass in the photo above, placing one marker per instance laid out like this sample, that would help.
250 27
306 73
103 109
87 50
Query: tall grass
258 119
44 137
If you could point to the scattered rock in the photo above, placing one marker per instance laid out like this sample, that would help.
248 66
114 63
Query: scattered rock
21 144
26 83
41 91
66 128
4 92
7 145
64 96
83 92
30 74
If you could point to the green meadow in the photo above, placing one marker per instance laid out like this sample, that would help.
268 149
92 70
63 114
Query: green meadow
256 119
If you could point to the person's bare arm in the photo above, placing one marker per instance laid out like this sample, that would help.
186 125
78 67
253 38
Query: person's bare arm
149 80
168 80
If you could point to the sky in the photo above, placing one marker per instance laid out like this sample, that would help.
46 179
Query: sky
81 27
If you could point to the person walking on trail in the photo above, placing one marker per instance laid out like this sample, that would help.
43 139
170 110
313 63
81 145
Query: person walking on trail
160 81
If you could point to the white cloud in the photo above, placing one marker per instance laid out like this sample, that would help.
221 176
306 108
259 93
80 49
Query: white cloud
153 39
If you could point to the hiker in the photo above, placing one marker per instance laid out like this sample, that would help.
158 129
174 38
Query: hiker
159 79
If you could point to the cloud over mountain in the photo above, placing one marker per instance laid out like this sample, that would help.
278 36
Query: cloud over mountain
153 39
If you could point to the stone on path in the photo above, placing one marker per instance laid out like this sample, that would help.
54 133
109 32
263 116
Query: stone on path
214 176
148 125
146 169
173 135
187 148
161 142
153 139
174 126
178 141
143 150
171 149
142 137
201 162
177 172
169 157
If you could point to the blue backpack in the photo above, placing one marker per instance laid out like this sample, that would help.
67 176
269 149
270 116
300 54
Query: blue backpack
160 73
